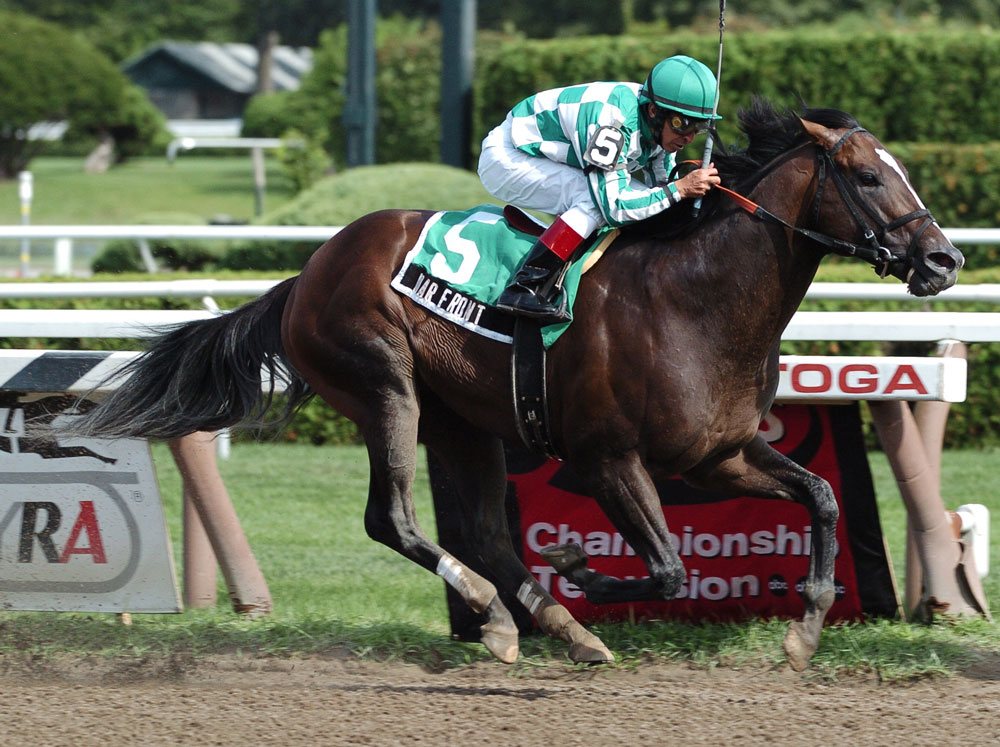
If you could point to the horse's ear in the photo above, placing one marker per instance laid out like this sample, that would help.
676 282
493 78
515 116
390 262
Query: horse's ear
823 136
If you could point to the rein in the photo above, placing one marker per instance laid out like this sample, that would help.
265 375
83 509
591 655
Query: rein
872 252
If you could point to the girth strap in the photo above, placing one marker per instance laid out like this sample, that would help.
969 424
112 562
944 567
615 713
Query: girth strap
527 369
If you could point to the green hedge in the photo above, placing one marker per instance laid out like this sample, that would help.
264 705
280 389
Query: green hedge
122 255
914 87
934 97
906 87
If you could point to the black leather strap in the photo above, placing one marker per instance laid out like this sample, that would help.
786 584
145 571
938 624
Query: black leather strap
527 365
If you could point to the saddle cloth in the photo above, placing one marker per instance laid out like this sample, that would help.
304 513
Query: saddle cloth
463 260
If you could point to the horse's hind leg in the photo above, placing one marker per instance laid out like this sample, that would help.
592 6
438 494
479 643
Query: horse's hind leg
758 470
475 461
371 380
390 518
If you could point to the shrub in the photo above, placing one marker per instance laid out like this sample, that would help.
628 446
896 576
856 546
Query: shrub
344 197
270 114
48 74
920 86
302 159
122 255
407 90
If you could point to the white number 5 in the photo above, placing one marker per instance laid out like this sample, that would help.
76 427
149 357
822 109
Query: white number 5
604 147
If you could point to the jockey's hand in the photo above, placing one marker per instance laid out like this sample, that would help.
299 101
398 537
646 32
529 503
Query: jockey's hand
696 183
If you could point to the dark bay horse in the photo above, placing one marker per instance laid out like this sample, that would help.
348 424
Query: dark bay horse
667 370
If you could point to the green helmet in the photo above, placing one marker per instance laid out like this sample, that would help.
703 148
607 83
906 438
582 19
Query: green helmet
681 84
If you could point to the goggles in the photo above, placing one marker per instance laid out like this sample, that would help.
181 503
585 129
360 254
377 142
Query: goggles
686 125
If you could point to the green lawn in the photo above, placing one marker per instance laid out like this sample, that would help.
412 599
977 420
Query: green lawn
313 500
192 189
202 186
302 509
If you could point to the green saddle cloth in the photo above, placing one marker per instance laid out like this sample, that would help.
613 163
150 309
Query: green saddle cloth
463 261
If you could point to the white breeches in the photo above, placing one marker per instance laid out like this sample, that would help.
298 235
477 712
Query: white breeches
537 183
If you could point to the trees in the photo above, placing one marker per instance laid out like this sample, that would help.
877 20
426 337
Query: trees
47 74
122 28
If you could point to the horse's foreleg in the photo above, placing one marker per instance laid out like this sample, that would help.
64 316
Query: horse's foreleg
627 496
475 461
758 470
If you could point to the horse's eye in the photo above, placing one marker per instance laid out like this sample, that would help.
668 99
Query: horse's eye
868 179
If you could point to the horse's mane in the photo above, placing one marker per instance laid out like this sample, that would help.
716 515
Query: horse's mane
769 133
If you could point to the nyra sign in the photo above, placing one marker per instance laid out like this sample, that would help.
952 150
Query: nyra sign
822 378
81 524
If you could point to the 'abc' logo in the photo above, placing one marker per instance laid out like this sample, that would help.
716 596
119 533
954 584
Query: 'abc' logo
777 585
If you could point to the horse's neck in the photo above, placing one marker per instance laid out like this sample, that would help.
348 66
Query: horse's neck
739 266
788 192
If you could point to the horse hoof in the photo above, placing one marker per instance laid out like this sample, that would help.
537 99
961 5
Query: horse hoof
798 647
502 644
593 652
564 558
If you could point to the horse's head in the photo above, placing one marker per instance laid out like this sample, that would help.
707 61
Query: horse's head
878 214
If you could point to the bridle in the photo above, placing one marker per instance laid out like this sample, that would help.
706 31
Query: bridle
871 250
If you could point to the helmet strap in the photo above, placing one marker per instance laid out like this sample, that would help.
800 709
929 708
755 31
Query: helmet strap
656 121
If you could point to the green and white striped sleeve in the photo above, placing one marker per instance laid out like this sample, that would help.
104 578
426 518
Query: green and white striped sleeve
622 200
660 167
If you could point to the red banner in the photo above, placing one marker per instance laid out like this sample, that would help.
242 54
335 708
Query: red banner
743 556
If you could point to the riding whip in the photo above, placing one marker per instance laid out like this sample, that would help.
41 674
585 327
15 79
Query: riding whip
706 157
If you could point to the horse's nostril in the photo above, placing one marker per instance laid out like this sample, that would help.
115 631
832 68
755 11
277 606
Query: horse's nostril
942 260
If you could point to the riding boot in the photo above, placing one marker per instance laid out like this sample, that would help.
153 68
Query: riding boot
531 293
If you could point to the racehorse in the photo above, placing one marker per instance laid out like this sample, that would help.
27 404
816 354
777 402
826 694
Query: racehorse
668 368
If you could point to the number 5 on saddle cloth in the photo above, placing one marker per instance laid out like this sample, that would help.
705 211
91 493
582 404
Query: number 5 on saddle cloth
463 261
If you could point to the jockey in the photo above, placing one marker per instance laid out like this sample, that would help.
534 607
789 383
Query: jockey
595 154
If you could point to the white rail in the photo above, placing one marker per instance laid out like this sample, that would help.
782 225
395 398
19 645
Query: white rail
801 378
64 235
263 233
887 291
140 289
972 235
890 291
189 142
297 233
892 326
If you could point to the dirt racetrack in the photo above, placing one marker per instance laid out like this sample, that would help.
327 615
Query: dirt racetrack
234 700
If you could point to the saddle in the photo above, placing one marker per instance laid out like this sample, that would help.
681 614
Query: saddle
520 220
527 362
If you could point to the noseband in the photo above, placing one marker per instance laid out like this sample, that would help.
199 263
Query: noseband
872 250
874 253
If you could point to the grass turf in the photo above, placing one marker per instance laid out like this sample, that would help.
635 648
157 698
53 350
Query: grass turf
302 509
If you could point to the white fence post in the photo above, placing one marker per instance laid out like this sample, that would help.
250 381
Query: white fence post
63 257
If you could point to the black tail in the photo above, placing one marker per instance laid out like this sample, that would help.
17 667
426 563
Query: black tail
203 376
